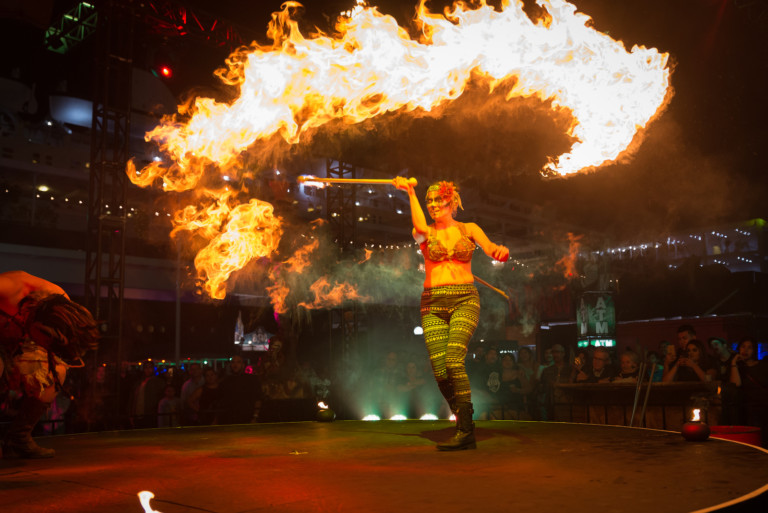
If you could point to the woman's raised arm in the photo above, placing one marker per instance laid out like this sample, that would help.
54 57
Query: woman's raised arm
420 226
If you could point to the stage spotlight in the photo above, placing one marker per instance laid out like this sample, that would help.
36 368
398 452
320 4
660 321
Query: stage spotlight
371 417
398 417
428 416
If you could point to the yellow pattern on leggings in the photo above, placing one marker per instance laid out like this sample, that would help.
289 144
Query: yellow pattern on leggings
449 316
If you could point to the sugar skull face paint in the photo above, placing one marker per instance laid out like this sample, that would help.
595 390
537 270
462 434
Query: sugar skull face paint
443 195
437 205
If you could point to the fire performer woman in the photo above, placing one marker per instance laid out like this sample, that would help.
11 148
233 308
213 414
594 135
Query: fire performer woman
40 328
450 304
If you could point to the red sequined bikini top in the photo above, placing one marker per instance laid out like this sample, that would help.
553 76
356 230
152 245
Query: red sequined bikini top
462 250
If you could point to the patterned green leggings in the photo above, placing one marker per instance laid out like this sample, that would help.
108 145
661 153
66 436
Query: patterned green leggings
449 316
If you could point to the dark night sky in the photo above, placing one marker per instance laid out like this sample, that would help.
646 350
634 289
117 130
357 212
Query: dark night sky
700 163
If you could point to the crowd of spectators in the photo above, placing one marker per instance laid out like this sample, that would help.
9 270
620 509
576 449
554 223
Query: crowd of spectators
506 384
192 394
401 383
740 378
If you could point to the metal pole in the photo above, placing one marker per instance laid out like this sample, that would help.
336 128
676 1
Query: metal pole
177 351
640 374
314 180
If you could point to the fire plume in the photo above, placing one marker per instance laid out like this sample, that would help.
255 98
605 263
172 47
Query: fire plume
366 256
568 263
327 295
278 291
370 66
235 234
301 258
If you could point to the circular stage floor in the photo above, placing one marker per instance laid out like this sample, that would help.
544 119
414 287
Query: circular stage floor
387 466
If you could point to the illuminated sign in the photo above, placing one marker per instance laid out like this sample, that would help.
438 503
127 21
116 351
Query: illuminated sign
256 340
596 316
596 342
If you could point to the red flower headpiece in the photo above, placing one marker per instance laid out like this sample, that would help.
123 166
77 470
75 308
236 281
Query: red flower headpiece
446 190
449 192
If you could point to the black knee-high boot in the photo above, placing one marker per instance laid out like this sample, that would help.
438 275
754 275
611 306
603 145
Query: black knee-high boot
18 439
464 438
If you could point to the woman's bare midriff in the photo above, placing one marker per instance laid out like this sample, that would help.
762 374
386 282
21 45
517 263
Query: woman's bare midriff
447 272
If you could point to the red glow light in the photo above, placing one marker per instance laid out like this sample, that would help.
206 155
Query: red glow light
166 72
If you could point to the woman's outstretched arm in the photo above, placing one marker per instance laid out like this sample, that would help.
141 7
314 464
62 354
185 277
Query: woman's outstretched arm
495 251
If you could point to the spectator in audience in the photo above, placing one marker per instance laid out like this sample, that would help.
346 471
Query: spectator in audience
195 381
147 396
412 389
729 392
599 371
582 357
98 396
206 400
515 386
579 363
655 367
669 354
723 357
559 372
694 366
273 364
629 365
685 334
547 361
539 403
526 363
240 394
294 388
169 408
475 358
750 376
271 388
529 367
485 383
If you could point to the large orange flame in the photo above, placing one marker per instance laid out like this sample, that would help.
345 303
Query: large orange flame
236 234
371 66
